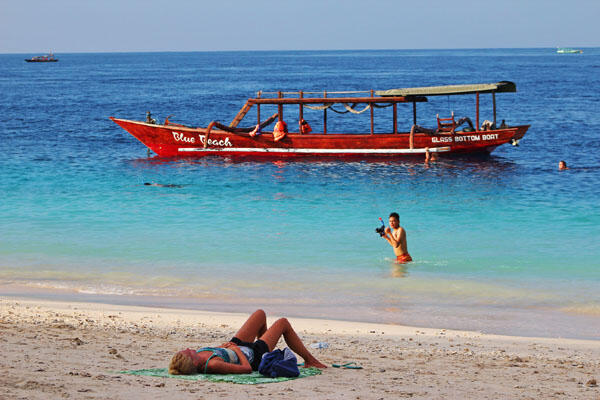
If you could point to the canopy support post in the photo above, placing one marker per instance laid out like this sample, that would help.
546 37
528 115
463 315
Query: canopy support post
324 115
494 101
280 107
372 125
395 118
414 112
477 101
258 108
301 95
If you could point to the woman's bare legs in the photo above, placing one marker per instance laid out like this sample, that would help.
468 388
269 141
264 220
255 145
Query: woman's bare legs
254 327
282 327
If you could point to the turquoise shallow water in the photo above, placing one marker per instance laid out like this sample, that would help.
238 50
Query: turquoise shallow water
503 245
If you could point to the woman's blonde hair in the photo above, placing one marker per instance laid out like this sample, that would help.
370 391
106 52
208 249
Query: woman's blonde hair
182 364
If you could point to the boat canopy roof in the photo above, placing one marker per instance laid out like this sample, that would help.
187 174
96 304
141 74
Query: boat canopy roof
329 98
504 86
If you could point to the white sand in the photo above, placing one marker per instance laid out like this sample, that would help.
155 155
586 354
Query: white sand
67 350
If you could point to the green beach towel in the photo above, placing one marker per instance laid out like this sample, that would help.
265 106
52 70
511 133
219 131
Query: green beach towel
254 378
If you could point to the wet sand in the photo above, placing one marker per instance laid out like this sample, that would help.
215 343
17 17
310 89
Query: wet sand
68 350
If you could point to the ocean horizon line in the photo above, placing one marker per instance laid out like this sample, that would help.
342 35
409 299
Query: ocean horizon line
289 50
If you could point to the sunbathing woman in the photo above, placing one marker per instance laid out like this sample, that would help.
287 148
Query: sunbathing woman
242 354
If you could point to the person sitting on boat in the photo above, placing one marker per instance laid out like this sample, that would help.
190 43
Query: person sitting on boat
280 130
256 131
487 125
243 353
305 127
396 237
149 118
468 121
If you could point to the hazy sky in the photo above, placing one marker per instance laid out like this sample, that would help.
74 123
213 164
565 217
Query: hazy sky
33 26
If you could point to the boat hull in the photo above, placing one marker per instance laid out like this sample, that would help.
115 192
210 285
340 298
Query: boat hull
174 141
38 61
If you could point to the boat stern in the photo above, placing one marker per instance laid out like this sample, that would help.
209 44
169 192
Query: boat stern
521 131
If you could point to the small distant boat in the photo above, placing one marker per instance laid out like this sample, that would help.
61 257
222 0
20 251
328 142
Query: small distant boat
45 58
566 50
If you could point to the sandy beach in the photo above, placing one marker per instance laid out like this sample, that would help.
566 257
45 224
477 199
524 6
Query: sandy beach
70 350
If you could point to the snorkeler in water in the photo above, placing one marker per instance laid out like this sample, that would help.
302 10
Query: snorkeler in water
162 185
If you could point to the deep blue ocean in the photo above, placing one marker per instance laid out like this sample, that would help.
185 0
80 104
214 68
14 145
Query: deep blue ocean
504 245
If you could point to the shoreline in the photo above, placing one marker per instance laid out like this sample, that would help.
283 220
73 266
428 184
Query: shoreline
525 321
186 316
65 349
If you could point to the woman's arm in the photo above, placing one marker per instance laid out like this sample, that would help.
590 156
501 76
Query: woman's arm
218 366
241 356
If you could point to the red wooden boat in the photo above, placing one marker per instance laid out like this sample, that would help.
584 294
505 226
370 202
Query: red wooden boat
449 136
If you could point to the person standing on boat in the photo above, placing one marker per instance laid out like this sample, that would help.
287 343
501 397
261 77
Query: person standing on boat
396 237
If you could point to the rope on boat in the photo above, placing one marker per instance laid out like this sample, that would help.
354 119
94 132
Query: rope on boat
353 111
341 112
383 106
349 108
323 107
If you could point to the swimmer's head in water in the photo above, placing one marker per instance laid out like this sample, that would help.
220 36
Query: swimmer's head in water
562 165
168 185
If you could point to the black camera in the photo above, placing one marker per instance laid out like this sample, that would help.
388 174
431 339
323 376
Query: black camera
380 230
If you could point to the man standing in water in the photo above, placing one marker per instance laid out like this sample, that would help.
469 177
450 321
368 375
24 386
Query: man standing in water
396 237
